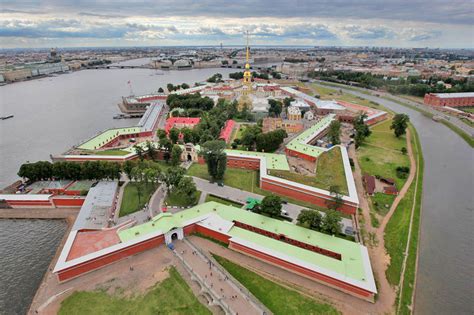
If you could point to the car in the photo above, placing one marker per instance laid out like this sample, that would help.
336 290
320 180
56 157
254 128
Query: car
349 230
284 212
220 184
284 202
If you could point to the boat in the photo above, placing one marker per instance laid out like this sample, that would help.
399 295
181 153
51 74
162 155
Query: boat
6 117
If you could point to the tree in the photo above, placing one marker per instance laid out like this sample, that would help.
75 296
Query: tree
275 108
271 206
161 134
176 155
184 86
331 223
287 101
151 150
187 188
310 219
336 200
362 131
172 176
188 136
249 136
160 90
170 87
404 150
270 141
216 78
215 157
400 124
139 151
174 135
334 132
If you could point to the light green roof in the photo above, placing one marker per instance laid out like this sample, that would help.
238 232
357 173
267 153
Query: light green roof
274 161
298 143
106 136
351 265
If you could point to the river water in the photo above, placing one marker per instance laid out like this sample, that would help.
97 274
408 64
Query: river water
51 115
445 280
26 247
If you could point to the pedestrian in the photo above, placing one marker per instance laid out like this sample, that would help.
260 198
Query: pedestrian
211 273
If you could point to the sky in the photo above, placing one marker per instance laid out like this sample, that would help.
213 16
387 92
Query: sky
83 23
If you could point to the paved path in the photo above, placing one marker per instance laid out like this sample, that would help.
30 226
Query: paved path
241 196
220 286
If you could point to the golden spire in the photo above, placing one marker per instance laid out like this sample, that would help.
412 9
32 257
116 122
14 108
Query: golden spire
247 55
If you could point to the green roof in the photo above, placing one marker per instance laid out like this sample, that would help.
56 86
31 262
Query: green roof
351 265
274 161
106 136
298 143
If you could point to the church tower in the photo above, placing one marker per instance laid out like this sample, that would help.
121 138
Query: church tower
245 101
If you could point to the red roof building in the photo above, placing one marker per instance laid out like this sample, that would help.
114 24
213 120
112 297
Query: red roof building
226 132
181 122
390 190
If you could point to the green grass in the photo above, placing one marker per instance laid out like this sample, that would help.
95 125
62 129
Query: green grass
177 199
396 232
223 201
81 185
467 109
112 152
330 170
279 299
381 154
380 200
405 298
130 203
171 296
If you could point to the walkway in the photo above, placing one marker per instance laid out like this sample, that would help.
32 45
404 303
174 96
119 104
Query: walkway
221 288
241 196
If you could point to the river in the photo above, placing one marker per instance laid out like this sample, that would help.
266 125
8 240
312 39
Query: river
26 247
445 280
51 115
54 113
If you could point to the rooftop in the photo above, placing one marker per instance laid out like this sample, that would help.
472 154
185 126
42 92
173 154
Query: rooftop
454 95
95 210
300 143
107 136
353 266
274 161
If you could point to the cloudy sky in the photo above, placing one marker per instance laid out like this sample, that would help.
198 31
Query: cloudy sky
404 23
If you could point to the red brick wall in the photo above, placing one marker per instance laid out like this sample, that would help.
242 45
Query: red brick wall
348 288
215 235
110 258
304 195
242 162
433 100
68 202
300 155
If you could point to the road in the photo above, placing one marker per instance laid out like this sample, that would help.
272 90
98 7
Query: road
241 196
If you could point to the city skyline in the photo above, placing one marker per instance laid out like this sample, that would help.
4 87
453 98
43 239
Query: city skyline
177 23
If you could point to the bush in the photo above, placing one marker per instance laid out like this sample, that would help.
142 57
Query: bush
402 171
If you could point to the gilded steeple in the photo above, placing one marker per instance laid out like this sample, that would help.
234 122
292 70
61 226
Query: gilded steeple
247 73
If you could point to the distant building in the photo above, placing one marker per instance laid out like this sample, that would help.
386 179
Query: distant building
290 126
449 99
308 115
181 122
294 113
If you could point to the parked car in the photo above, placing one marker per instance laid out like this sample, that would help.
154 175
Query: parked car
349 230
284 212
220 184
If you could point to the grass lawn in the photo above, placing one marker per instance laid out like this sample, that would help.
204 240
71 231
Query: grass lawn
81 185
112 152
381 154
329 172
277 298
223 201
130 203
171 296
467 109
380 200
178 200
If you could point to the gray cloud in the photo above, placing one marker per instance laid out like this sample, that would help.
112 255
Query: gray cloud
437 11
358 32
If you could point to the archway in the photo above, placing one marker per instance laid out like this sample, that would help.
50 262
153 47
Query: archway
174 236
190 157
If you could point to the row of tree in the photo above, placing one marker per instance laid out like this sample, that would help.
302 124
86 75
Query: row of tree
330 223
189 101
171 87
91 170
